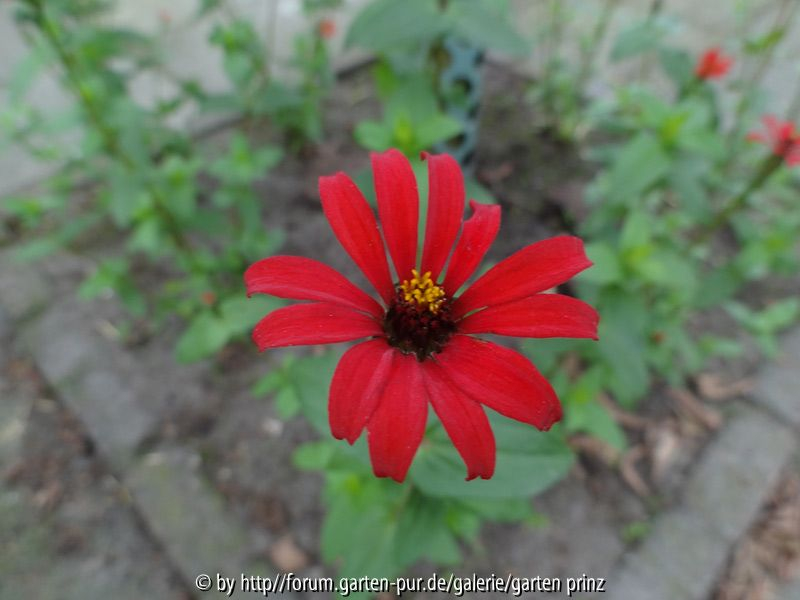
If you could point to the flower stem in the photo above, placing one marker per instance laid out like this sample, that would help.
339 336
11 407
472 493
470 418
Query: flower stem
768 167
590 51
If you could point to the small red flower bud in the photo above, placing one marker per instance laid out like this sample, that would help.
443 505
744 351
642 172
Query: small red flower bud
713 64
208 298
326 28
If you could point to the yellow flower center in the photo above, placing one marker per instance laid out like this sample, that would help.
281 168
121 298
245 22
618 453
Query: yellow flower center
423 292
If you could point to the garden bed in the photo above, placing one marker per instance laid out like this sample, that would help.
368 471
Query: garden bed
244 449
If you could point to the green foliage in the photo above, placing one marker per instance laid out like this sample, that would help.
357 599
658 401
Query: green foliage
670 178
412 121
528 462
409 39
765 323
149 173
208 331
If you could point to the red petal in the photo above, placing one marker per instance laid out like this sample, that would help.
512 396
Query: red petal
356 387
539 316
533 269
398 424
316 323
464 420
501 379
398 207
476 237
445 211
301 278
355 227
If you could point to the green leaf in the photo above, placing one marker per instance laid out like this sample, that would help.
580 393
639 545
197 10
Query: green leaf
776 316
243 164
668 269
127 196
374 135
765 42
678 65
207 6
606 268
622 345
423 532
114 275
24 73
528 462
40 247
547 352
148 237
204 336
311 377
713 345
718 285
240 313
287 404
686 179
640 164
638 39
179 181
637 233
583 412
438 128
313 456
359 527
494 509
385 26
487 24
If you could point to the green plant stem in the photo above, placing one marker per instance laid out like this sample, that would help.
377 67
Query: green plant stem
555 37
590 50
768 167
107 134
656 7
690 88
257 56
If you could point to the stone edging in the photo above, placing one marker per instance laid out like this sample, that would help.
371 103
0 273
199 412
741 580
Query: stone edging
88 373
690 545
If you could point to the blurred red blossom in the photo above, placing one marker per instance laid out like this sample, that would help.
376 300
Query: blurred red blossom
781 136
713 64
326 28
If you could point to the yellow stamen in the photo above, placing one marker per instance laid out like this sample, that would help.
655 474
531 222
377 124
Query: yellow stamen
423 291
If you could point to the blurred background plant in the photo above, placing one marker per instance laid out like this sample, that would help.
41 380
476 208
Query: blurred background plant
681 215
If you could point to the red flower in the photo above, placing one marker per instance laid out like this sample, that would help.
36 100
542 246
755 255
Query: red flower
782 137
713 64
326 28
421 348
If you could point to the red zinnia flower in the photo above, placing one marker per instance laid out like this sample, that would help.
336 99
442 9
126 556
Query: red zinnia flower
782 137
421 347
713 64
